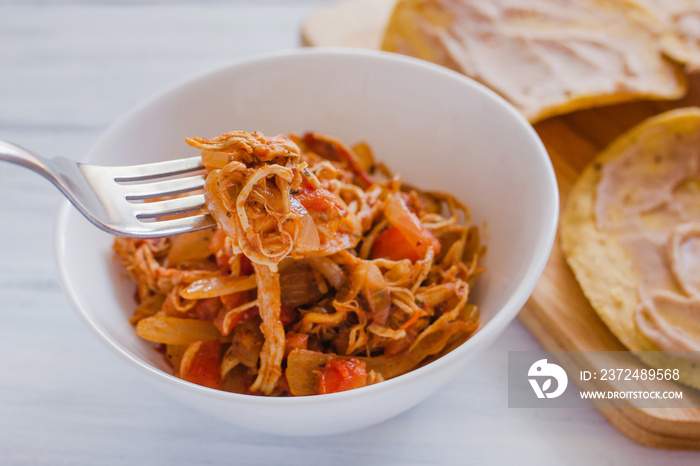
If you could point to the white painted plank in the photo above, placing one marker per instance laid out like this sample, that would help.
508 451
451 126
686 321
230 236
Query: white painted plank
67 70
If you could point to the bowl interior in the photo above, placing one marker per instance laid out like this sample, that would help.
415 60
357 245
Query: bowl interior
437 129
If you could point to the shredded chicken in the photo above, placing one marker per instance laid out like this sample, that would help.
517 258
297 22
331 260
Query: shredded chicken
272 329
314 255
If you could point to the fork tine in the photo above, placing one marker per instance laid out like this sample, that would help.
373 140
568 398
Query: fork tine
163 188
150 171
168 207
197 222
176 226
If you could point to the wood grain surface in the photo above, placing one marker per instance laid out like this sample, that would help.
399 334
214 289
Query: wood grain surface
557 313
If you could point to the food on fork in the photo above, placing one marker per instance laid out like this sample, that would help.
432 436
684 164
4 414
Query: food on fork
631 234
325 273
263 197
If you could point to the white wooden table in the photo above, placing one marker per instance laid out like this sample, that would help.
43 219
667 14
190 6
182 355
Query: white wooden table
67 70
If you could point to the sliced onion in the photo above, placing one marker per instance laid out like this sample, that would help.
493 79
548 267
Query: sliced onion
303 367
176 331
377 294
271 197
330 271
216 206
307 238
218 286
410 226
392 366
190 247
436 294
175 354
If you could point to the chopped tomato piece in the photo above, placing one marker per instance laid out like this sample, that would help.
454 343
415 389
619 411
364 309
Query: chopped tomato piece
283 384
342 374
246 266
294 340
319 200
207 309
233 300
288 315
392 244
217 248
411 228
222 260
201 364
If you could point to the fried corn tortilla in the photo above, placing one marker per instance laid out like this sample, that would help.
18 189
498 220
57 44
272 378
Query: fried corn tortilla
678 24
547 57
631 234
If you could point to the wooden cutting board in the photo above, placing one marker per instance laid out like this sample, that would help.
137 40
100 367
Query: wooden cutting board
557 313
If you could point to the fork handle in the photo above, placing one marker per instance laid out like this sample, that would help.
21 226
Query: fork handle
14 154
58 170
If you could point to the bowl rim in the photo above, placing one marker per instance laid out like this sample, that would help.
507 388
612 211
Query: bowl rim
487 333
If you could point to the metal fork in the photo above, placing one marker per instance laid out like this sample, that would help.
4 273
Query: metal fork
112 198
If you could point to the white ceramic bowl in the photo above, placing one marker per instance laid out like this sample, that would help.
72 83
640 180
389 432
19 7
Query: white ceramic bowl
436 128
